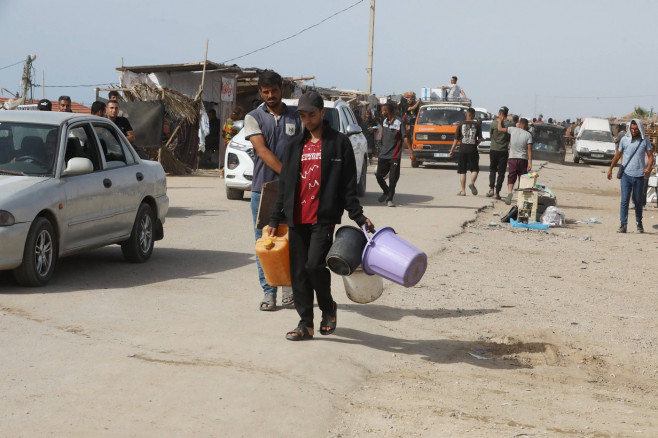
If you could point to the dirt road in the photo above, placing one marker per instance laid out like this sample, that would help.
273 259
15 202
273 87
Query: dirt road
510 333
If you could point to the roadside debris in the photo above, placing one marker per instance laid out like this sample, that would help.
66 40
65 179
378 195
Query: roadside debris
554 217
478 356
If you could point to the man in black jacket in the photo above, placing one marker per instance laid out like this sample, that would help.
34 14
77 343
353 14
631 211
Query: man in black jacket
317 183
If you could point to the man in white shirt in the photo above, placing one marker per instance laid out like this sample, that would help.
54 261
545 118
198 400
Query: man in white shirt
454 90
520 152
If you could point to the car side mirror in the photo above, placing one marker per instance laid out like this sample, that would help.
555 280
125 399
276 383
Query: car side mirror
78 166
238 125
353 128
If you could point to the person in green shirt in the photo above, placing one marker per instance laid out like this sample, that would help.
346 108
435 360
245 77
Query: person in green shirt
498 155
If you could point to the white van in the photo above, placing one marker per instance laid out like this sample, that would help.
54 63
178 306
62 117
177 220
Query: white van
594 142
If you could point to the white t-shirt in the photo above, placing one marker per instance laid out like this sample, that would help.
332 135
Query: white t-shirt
518 143
454 92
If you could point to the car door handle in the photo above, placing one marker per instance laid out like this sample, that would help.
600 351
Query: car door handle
107 183
139 176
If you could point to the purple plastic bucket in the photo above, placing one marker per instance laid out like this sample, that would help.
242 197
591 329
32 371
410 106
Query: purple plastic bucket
388 255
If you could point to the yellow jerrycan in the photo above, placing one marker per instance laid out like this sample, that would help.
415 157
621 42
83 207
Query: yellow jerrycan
274 256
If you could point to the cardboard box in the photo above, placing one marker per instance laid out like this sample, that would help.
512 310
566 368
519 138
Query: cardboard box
427 94
527 182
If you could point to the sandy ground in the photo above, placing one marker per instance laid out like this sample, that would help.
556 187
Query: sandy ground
510 333
523 333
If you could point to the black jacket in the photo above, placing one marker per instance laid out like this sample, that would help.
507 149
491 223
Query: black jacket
337 181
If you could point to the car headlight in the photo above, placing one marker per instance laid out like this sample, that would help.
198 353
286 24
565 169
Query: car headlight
422 137
6 219
233 161
582 149
238 146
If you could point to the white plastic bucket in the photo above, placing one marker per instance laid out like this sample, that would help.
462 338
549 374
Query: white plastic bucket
363 288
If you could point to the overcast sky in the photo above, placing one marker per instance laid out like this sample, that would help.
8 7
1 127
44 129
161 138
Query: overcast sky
562 58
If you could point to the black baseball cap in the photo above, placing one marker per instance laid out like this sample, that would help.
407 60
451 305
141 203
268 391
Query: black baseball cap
310 101
44 105
504 110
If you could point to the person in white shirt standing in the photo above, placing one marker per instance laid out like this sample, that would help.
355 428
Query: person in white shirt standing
520 152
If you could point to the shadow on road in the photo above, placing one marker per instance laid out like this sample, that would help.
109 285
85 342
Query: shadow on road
386 313
370 199
105 268
184 213
491 355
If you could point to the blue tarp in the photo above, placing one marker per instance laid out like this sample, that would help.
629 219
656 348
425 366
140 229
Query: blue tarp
530 225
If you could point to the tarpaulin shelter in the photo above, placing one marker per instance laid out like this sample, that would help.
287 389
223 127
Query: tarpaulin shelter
220 87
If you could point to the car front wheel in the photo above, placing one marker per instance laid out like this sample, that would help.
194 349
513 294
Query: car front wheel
233 194
139 247
39 256
576 159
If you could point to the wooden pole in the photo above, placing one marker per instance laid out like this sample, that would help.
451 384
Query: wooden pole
200 93
203 75
43 84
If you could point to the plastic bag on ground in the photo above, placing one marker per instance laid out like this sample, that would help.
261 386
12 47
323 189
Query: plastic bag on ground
529 225
553 216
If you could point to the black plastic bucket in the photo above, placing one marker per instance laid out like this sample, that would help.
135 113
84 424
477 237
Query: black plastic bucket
345 254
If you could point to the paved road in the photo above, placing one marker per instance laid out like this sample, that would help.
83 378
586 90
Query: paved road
177 346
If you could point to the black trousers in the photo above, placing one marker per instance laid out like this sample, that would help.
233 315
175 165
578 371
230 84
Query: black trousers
309 245
497 165
390 166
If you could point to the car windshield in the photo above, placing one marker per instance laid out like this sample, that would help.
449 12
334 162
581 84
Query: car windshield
27 148
596 136
438 115
546 139
330 115
486 125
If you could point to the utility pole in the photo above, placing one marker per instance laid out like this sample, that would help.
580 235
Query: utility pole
370 45
26 81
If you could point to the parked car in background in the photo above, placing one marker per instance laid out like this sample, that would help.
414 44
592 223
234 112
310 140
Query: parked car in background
482 114
485 145
69 183
548 142
594 142
240 154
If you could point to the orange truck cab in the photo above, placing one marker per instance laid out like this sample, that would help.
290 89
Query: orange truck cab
435 130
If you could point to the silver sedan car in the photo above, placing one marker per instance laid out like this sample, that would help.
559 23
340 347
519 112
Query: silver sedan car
69 183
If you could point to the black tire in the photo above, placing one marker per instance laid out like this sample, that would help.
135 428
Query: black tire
139 247
415 164
576 159
39 256
361 187
233 194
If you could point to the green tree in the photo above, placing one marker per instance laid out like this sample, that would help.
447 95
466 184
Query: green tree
639 113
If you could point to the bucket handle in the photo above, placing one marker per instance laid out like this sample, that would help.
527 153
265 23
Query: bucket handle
365 231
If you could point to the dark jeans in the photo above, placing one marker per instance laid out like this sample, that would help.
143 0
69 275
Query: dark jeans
634 185
497 165
390 166
309 245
